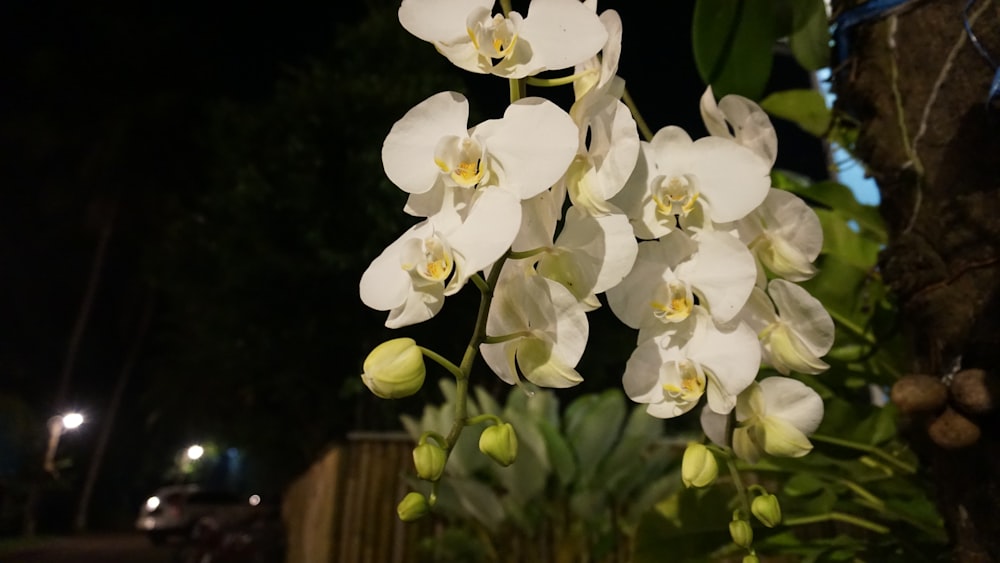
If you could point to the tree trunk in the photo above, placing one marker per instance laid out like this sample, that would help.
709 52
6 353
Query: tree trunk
918 85
110 414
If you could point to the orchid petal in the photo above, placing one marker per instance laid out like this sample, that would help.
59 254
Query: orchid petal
408 150
486 234
562 33
804 314
792 401
438 20
385 283
534 144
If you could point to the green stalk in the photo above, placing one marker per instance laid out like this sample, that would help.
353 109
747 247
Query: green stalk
506 337
465 369
741 490
442 361
647 133
839 517
901 465
560 81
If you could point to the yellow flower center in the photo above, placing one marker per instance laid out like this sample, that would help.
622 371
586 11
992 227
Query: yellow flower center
493 37
673 302
674 195
461 158
692 382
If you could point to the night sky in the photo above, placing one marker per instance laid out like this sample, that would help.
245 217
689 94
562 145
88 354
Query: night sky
106 119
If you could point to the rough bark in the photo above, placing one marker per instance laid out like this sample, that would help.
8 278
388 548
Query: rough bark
918 87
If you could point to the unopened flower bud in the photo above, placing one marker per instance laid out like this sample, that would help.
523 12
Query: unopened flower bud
429 459
394 369
500 443
698 467
741 532
767 510
412 507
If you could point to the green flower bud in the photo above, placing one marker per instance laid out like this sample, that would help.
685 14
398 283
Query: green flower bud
698 467
500 443
750 559
741 532
429 459
394 369
767 510
412 507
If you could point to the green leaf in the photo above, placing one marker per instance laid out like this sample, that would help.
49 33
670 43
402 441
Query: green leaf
487 403
802 484
525 479
810 38
592 426
806 108
732 44
879 427
845 243
560 453
476 499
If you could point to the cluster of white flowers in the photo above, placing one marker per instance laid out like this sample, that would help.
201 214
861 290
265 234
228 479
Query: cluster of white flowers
709 287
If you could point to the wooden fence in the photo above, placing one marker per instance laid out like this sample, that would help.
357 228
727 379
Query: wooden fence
343 509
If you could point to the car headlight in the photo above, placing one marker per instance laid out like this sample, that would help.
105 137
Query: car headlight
152 503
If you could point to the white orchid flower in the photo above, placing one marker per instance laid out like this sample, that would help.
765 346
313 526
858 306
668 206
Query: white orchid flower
742 120
597 75
429 151
603 165
555 34
436 257
540 215
796 335
696 358
591 254
784 234
670 272
548 326
776 416
676 177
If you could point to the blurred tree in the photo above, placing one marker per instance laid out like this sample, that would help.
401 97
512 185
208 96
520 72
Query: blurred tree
263 330
918 86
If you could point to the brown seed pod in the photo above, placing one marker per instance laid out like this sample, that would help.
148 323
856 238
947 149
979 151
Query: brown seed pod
952 430
919 394
973 392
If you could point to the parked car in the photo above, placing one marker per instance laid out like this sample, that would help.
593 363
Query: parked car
173 511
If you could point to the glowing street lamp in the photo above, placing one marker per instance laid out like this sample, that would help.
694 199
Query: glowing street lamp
195 452
57 425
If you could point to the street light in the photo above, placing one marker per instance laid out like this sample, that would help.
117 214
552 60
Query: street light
195 452
57 425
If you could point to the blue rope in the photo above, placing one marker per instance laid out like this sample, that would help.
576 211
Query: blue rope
845 22
877 9
994 92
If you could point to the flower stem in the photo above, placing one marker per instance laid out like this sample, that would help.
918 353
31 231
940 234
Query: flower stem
471 351
479 281
864 493
839 517
852 327
647 133
506 337
901 465
431 435
442 361
484 418
560 81
741 491
521 255
517 89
